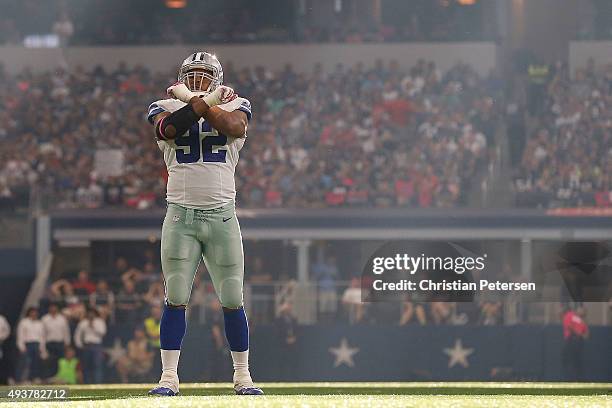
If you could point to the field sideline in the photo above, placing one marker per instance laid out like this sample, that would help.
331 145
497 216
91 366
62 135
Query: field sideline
374 395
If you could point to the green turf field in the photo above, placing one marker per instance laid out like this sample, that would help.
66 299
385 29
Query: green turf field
362 395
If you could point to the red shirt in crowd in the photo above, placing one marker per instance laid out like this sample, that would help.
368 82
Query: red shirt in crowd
404 190
87 285
399 111
573 324
427 188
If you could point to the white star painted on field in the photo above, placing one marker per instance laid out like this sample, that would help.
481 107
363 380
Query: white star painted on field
458 354
344 353
115 353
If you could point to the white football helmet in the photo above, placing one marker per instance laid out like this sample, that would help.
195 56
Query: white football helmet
202 61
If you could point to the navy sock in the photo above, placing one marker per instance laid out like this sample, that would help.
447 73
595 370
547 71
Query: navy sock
236 329
172 328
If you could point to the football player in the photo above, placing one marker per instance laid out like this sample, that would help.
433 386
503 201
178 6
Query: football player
200 130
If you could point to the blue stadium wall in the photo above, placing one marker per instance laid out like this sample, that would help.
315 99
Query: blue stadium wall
17 271
386 353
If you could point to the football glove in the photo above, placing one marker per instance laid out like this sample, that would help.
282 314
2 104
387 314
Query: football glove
180 91
223 94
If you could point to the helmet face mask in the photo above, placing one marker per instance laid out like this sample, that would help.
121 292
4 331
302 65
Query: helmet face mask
201 69
199 80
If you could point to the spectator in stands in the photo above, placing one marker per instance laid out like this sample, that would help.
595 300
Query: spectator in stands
31 345
412 309
83 286
73 308
88 338
57 336
575 333
326 273
566 158
351 299
69 369
490 313
121 266
103 300
138 360
151 327
128 304
155 291
140 279
150 273
441 312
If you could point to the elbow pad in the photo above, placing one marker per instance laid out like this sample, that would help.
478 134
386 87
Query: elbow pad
181 120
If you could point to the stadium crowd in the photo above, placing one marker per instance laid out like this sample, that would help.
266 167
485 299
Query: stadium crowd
567 159
379 136
106 22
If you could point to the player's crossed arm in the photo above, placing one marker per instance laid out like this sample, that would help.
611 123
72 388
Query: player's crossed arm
233 124
169 125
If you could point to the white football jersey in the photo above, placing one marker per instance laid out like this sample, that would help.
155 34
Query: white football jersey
201 163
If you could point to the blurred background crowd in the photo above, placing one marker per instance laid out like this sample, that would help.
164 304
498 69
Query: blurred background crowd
567 156
380 137
359 137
